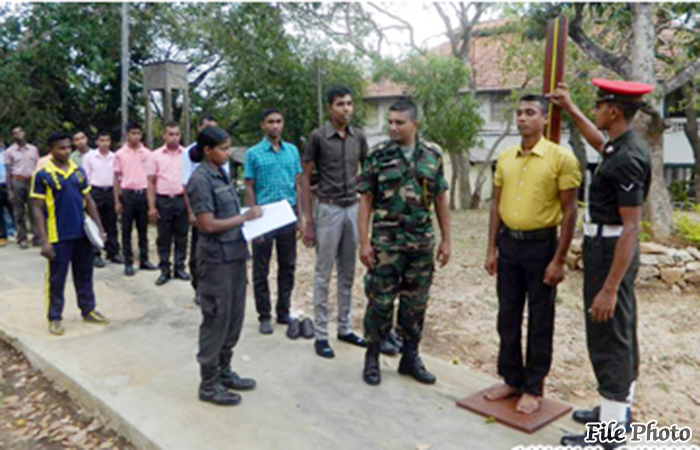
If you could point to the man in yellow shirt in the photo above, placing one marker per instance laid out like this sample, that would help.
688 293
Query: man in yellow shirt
535 189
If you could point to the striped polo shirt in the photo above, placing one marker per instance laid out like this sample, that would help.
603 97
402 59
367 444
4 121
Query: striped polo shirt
62 192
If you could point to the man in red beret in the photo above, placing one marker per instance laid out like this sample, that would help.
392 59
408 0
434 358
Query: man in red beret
611 254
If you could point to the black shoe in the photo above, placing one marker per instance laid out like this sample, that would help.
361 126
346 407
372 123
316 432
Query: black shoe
266 327
284 320
579 441
231 380
386 347
180 274
36 242
307 328
323 349
371 373
585 416
293 331
23 245
219 395
129 270
116 259
146 265
352 338
163 278
98 262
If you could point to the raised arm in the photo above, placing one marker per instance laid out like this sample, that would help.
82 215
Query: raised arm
589 131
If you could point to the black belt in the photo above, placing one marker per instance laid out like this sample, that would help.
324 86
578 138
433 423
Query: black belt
103 189
342 202
169 196
531 235
134 191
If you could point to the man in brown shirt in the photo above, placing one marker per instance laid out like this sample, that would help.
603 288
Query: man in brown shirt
336 151
20 162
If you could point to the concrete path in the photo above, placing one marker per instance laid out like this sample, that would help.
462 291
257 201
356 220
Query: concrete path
140 373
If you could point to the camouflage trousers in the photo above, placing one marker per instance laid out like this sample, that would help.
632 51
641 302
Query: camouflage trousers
406 274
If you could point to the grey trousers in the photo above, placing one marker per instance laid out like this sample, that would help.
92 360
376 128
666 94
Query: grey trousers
221 291
22 208
336 243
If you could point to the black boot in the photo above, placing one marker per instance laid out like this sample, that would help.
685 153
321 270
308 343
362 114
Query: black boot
211 390
371 373
585 416
229 378
412 365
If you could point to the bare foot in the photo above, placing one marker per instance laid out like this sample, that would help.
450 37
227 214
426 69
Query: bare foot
528 404
500 392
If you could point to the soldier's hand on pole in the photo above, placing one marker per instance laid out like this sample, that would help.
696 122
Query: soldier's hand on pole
443 254
367 255
491 262
560 96
554 273
603 307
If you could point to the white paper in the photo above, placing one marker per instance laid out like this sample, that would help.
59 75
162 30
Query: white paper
275 215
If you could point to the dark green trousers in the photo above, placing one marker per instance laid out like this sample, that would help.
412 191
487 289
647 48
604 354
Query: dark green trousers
408 275
612 345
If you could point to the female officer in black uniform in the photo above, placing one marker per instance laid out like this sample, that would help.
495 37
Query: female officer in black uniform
221 256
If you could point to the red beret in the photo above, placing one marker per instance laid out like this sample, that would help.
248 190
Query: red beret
622 88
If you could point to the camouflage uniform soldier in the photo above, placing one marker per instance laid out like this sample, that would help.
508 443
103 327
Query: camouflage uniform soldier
401 180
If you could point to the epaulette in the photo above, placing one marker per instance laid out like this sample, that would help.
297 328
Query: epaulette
433 147
379 145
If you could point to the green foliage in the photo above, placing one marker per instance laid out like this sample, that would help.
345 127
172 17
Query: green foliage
61 65
687 225
450 114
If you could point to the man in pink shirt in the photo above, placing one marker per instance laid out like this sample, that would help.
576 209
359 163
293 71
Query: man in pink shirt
20 162
167 204
99 167
130 185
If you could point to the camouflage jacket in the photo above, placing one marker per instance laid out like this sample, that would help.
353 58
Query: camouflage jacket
404 192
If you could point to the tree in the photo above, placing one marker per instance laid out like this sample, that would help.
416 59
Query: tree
629 45
449 115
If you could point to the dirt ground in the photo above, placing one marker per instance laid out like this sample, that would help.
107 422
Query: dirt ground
36 415
461 327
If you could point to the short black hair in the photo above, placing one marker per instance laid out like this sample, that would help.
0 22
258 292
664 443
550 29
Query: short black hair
335 92
542 100
133 126
407 107
207 118
55 137
269 111
171 124
104 133
629 109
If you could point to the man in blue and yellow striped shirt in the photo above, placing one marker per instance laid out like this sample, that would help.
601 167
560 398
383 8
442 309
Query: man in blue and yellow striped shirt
59 191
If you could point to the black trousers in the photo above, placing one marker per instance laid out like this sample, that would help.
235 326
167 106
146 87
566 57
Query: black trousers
22 207
612 345
172 226
104 199
135 209
521 268
222 288
194 237
286 243
77 254
4 206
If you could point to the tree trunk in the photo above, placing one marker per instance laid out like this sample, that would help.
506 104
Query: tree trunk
464 185
453 182
658 209
481 176
691 132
